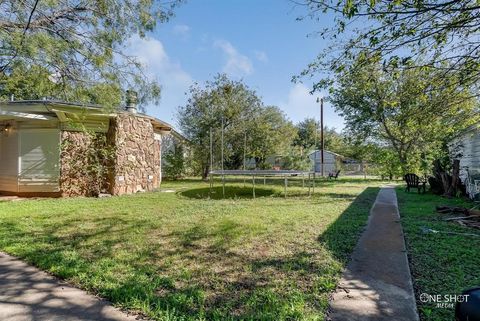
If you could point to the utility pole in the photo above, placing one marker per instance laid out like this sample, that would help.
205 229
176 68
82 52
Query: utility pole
322 143
222 142
244 155
211 149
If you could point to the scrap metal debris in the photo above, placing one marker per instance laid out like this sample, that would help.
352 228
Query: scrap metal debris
426 230
467 217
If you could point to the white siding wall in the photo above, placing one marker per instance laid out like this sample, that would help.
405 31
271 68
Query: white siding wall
9 161
468 146
39 169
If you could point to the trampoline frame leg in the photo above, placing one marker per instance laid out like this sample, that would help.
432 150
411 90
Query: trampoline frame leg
223 185
313 182
253 182
309 185
211 185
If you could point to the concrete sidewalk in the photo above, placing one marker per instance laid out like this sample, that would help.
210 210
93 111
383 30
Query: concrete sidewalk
28 294
377 285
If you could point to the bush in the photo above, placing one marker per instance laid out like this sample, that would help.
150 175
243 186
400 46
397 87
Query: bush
174 166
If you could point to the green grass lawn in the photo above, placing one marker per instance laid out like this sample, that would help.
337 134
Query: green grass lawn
441 263
181 256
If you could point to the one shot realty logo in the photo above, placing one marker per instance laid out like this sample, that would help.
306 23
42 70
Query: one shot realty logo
446 301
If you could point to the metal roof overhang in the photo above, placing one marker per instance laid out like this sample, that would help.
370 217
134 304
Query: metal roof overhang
48 110
18 116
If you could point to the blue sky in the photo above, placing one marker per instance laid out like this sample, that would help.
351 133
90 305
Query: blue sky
259 42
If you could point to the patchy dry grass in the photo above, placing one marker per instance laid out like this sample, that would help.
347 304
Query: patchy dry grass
182 256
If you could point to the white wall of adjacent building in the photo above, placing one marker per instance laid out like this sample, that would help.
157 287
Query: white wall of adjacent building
466 148
29 159
9 160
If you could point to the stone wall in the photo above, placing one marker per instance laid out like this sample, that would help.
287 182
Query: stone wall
137 155
84 165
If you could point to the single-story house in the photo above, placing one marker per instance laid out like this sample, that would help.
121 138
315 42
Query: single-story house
465 147
331 161
55 148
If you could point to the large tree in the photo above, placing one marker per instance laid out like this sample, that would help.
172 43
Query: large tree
74 49
409 110
309 136
442 33
270 133
231 104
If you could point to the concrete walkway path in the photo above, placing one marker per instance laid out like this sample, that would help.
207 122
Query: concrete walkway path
377 285
28 294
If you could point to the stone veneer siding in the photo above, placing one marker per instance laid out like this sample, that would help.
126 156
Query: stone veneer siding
134 159
137 158
76 177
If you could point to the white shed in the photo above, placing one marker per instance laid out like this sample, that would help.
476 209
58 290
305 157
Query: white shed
331 161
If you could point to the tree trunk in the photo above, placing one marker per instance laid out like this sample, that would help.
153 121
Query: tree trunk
402 157
205 172
455 179
449 182
441 175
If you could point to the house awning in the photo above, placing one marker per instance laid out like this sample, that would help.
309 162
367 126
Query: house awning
13 115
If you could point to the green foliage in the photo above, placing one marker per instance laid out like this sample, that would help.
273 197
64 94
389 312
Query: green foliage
271 133
174 166
30 83
89 162
439 265
264 130
74 50
308 132
386 161
404 34
407 111
297 159
416 85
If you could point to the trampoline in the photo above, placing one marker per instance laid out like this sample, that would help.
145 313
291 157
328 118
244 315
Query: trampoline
285 174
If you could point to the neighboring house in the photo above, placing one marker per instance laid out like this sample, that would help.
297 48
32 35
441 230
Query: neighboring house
52 148
466 147
331 161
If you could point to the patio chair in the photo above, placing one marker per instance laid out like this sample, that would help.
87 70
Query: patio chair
333 175
413 181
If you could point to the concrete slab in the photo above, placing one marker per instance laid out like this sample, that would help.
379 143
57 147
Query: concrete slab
5 198
376 284
28 294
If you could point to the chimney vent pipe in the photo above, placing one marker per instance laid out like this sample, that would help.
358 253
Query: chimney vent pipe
131 101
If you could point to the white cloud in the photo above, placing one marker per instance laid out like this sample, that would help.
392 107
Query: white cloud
159 66
236 64
300 104
261 55
181 30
